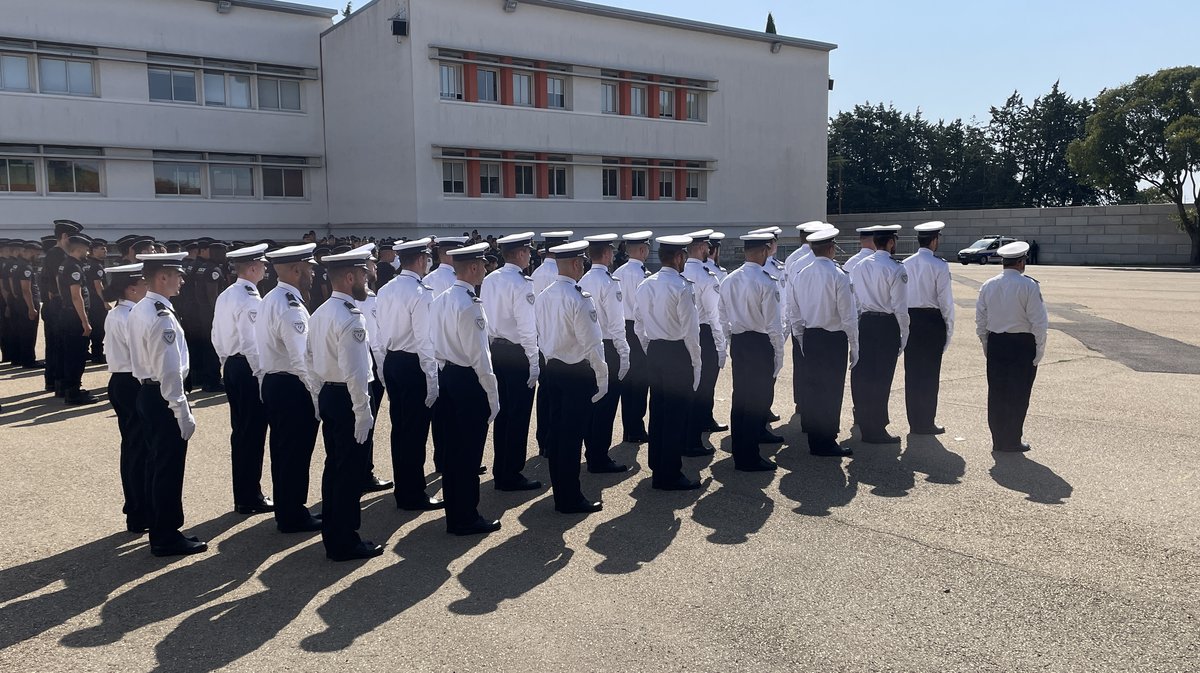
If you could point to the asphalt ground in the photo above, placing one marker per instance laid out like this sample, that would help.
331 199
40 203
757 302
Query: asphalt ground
933 556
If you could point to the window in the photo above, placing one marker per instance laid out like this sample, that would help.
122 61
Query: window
524 180
522 89
638 183
65 76
693 107
278 94
178 179
453 177
177 86
14 73
488 90
666 182
637 101
489 179
73 175
452 82
612 180
230 181
666 103
17 175
610 98
694 185
557 177
226 90
283 182
556 90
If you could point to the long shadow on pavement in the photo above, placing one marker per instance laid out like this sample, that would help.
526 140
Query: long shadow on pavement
637 537
1017 472
927 455
53 410
816 483
739 508
880 466
89 573
371 601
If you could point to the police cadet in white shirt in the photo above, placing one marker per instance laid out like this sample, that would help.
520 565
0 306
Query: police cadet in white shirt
341 367
635 388
749 308
866 242
804 251
712 342
442 277
288 391
824 307
1011 321
547 271
608 296
126 287
468 397
714 244
880 285
776 269
236 345
370 310
575 376
796 261
159 355
669 323
931 315
410 371
508 298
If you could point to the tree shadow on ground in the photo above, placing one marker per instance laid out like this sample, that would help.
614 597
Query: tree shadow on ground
927 455
89 574
739 508
1017 472
637 537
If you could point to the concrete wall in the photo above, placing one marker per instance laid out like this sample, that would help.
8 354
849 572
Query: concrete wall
1086 235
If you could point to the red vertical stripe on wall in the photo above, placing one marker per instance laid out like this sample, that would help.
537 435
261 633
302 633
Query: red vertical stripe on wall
540 95
681 103
680 184
542 179
470 80
652 184
626 182
508 171
623 105
652 108
473 174
506 86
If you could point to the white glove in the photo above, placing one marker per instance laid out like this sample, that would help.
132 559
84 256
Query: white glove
722 357
624 369
187 426
778 367
983 342
695 379
903 345
1037 359
316 408
494 405
432 392
534 373
600 393
853 358
362 427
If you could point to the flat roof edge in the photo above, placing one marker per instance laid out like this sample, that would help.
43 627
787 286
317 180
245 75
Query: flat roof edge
285 7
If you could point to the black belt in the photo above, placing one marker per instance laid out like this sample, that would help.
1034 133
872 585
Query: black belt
149 382
238 356
878 313
925 309
504 342
336 385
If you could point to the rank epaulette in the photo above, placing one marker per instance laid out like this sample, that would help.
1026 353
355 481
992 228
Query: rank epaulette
352 307
292 301
162 309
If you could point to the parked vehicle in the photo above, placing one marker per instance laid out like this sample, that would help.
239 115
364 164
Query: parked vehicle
983 250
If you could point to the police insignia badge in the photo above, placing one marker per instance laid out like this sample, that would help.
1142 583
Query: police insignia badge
359 334
216 275
592 313
481 323
169 336
776 295
253 315
619 295
903 277
301 328
75 275
530 298
100 272
28 273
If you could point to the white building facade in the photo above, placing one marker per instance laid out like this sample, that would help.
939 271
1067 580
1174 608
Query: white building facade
161 115
247 119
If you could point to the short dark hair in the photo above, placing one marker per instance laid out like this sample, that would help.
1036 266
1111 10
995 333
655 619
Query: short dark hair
822 247
881 239
1005 262
925 240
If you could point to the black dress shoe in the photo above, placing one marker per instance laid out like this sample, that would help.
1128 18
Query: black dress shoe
521 484
482 469
479 526
697 452
1019 448
761 465
80 397
310 525
770 438
362 550
581 506
833 451
611 467
717 427
181 547
59 390
373 484
680 483
262 506
884 438
774 417
420 504
635 439
931 430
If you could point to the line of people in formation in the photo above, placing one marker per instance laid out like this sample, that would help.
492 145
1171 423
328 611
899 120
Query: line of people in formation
457 349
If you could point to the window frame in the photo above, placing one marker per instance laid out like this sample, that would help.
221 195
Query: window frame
175 162
454 166
279 82
75 165
694 100
666 182
639 170
553 173
551 96
610 170
172 73
522 174
485 169
226 162
30 79
493 90
610 104
6 171
693 172
638 93
67 62
456 72
666 103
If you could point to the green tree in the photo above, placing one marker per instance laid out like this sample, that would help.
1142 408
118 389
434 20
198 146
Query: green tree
770 23
879 160
1148 132
348 11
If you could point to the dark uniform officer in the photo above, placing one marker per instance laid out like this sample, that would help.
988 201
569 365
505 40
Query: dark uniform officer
749 309
7 300
320 283
668 322
93 271
126 288
74 327
159 354
1011 322
635 387
53 302
341 364
23 277
468 397
210 278
385 269
576 375
824 318
931 315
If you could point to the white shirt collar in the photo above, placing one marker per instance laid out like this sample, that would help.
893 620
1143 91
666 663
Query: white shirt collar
154 296
509 266
341 295
599 267
288 288
410 273
465 284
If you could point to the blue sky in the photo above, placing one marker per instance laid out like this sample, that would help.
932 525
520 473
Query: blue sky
956 59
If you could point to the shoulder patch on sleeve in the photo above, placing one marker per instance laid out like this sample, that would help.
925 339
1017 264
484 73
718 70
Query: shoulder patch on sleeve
168 336
100 272
216 275
75 275
903 276
530 298
359 334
